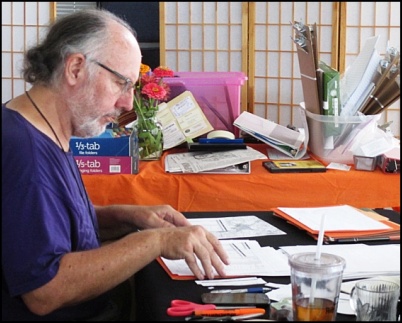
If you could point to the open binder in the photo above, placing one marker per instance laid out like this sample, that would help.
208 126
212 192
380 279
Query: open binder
288 141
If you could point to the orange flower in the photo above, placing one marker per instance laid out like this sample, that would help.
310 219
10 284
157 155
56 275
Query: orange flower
144 69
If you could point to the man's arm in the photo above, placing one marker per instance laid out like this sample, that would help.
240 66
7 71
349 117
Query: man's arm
116 221
86 274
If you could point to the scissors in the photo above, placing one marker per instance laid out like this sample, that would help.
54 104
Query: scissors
184 308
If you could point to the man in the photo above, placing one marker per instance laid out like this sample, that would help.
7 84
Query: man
53 265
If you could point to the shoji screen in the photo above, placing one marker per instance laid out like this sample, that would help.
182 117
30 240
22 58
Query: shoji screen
273 60
22 25
255 37
205 36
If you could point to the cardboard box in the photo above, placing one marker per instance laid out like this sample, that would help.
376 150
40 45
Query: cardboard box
113 142
217 93
96 165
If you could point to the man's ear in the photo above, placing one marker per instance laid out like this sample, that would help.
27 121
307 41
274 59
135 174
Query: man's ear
75 68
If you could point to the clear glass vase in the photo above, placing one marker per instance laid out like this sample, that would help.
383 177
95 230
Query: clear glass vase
150 136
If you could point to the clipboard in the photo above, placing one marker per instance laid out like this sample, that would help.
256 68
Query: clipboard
306 44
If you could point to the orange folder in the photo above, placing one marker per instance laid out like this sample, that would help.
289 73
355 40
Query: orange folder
394 228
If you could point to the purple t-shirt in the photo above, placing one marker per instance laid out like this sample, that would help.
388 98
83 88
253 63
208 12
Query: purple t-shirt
45 214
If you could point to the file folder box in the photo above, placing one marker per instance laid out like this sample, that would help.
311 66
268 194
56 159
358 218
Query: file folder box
217 93
112 142
330 137
103 165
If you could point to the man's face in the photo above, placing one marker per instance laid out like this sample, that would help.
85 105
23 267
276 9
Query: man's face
109 91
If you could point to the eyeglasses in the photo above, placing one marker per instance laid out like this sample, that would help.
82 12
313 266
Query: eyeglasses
128 84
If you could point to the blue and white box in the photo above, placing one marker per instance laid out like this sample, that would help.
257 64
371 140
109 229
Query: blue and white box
109 143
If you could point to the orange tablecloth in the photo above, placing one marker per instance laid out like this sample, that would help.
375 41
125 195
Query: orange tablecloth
257 191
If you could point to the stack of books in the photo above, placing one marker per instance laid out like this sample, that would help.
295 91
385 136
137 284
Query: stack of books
107 153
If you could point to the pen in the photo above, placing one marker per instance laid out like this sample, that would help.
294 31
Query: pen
234 312
220 141
348 240
223 318
245 290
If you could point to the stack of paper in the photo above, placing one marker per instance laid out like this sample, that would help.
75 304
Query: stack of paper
226 162
248 258
361 260
343 223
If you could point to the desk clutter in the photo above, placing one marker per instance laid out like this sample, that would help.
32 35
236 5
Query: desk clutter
258 287
343 238
363 262
343 111
206 103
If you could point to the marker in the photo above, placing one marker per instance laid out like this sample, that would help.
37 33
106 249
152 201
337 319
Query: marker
220 141
245 290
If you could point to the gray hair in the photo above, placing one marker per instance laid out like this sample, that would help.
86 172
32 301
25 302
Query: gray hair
84 31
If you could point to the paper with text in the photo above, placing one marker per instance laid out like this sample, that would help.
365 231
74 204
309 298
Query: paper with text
237 227
195 162
245 260
182 119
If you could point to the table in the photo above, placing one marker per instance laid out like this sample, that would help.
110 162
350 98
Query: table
257 191
154 289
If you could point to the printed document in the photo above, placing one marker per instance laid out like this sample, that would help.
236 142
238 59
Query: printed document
237 227
182 119
195 162
245 260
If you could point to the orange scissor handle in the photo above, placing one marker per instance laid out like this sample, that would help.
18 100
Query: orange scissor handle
184 308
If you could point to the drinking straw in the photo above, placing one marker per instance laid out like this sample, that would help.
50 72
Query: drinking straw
320 239
317 257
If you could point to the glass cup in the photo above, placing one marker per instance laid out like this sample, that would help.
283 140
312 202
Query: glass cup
375 300
316 285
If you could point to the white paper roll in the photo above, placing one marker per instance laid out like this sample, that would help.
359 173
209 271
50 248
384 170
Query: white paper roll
220 134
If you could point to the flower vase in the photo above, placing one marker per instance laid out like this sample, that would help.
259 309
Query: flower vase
150 136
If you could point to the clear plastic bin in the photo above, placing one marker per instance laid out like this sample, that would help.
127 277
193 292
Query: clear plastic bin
330 137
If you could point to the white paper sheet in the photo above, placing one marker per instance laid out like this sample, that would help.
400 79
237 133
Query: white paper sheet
338 218
237 227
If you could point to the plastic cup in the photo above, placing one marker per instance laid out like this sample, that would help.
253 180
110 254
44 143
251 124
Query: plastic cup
316 284
375 300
